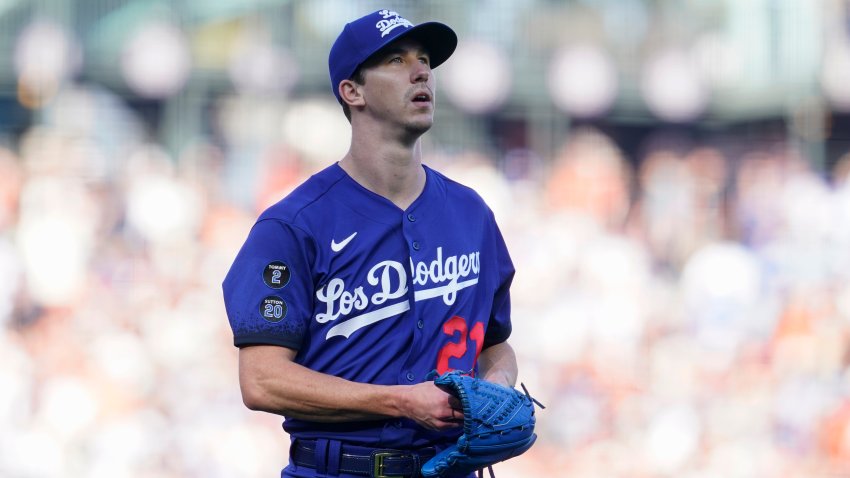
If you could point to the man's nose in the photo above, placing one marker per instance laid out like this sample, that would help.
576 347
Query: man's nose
421 73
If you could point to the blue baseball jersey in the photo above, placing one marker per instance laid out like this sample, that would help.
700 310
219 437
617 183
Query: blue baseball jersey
368 292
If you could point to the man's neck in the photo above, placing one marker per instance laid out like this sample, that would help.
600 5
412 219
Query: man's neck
389 169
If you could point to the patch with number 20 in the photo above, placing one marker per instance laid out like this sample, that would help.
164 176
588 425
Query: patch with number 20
273 308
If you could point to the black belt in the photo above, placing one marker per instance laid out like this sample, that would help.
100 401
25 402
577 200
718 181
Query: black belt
372 462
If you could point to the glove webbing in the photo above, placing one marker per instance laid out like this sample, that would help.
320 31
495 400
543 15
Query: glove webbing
534 400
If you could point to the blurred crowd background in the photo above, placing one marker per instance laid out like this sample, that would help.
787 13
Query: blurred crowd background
672 177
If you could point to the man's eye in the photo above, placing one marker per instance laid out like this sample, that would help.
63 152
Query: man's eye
425 60
395 59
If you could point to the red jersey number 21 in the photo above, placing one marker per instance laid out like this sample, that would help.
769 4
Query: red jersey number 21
456 328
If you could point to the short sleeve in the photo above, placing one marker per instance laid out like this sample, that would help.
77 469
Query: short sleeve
499 325
268 291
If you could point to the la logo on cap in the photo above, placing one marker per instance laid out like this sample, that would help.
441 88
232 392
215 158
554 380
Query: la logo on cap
391 21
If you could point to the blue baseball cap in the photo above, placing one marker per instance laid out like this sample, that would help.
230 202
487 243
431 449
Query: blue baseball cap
363 37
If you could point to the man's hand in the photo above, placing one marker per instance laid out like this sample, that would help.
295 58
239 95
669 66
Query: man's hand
431 407
501 426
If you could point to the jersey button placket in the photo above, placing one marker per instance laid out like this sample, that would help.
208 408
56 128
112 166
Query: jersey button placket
410 226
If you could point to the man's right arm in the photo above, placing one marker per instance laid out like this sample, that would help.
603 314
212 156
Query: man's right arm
272 382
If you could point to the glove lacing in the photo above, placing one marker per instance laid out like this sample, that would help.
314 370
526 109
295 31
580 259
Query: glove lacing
533 400
490 469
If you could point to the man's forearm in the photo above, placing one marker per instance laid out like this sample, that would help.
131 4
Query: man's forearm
272 382
497 364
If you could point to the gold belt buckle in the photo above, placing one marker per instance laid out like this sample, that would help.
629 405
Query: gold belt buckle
378 469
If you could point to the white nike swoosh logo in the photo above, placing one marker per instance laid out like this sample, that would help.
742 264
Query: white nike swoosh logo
337 246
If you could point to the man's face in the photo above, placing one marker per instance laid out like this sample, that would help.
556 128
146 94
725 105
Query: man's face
399 85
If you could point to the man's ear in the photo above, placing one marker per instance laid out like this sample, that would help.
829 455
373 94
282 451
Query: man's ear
350 93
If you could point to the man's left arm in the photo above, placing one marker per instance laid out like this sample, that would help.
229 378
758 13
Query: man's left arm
497 364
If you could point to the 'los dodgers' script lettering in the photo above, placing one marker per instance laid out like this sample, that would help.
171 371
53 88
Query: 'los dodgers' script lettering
387 280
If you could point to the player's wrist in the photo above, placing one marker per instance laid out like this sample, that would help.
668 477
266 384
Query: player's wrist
398 401
500 377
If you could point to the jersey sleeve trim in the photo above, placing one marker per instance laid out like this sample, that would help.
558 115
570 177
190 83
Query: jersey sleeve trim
259 339
492 339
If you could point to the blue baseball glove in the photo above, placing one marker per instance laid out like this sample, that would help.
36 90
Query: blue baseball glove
498 424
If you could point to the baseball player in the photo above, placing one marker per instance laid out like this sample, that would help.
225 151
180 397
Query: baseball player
375 273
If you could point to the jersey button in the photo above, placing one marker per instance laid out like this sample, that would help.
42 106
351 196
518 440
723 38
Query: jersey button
411 217
415 245
420 323
410 376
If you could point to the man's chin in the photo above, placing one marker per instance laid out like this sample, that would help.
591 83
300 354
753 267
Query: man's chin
420 126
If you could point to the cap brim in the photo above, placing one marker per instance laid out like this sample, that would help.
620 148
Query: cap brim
437 38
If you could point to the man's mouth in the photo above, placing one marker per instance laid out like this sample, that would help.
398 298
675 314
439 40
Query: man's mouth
422 98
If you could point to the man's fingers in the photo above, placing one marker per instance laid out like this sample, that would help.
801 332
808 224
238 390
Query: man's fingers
456 417
447 424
